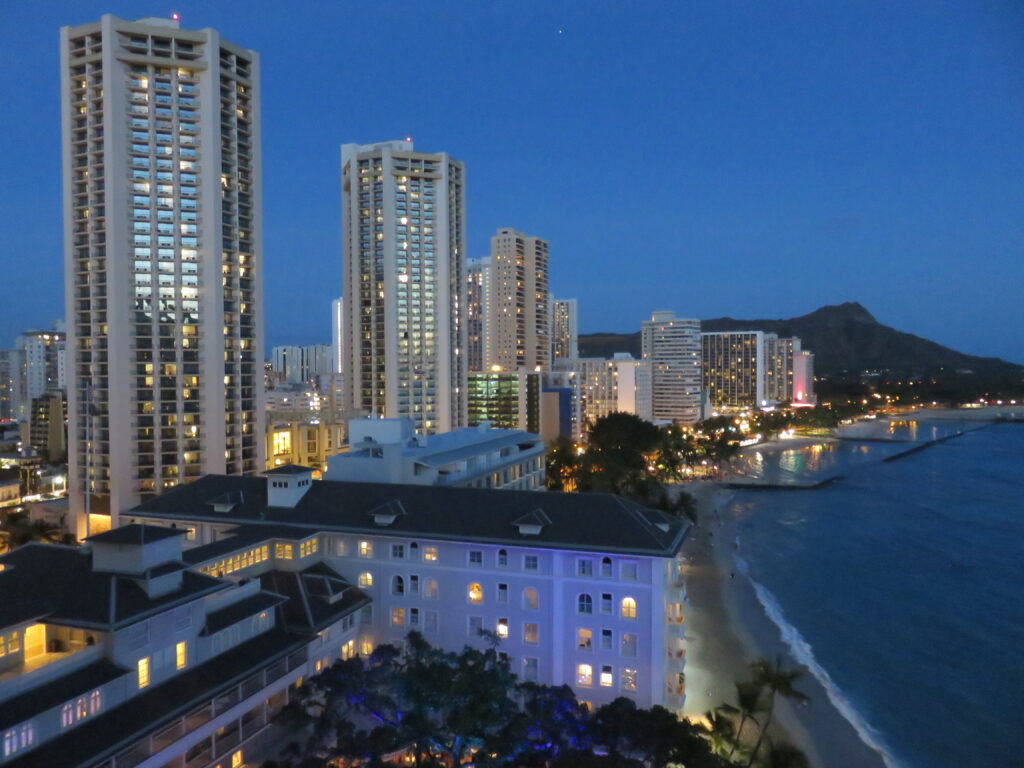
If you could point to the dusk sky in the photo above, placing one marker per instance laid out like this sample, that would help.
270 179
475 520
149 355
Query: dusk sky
752 159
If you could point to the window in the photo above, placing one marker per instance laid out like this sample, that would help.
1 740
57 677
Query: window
530 563
606 566
584 675
502 627
628 680
585 605
629 571
503 558
181 654
398 617
531 633
475 594
503 593
365 579
584 567
628 608
530 601
584 639
530 666
366 646
606 639
398 551
628 645
414 617
607 678
348 650
308 547
430 554
366 549
143 669
414 585
476 557
236 759
606 603
431 622
430 588
397 585
67 715
95 702
81 710
476 624
283 551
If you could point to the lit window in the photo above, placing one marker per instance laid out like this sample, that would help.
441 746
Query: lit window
366 549
67 715
476 593
531 633
430 554
236 759
143 668
585 604
628 608
584 675
584 639
283 551
629 679
530 601
606 676
365 579
398 617
95 702
366 646
502 627
181 654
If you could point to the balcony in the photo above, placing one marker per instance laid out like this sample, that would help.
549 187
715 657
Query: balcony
49 652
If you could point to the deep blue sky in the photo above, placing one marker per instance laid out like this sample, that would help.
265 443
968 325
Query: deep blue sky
752 159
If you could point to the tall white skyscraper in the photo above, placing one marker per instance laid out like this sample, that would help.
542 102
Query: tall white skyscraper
672 345
518 323
565 329
403 215
163 259
337 334
733 368
479 294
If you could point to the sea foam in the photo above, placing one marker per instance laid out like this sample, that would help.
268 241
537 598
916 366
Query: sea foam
804 654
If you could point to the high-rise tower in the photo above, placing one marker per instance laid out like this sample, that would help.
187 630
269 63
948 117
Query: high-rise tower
672 345
565 333
403 215
478 310
520 313
163 262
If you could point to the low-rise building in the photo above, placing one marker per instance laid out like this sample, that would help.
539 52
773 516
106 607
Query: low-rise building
389 451
119 653
581 589
10 487
506 399
309 443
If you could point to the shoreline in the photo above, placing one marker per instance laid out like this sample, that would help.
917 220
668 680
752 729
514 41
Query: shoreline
727 628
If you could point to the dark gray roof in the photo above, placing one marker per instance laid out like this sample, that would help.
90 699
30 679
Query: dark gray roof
579 521
318 596
289 469
58 583
243 609
136 534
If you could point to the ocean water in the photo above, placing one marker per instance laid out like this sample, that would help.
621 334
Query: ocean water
901 586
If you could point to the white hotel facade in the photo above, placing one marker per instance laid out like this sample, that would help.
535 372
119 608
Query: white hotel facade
163 272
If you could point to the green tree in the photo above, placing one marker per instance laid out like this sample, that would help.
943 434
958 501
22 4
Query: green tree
772 677
17 529
721 733
749 702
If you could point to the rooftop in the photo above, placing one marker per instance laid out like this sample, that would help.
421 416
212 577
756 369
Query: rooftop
136 534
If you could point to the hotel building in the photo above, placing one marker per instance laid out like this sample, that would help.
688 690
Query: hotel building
518 321
565 329
672 346
622 384
403 216
478 308
337 334
162 235
733 368
506 400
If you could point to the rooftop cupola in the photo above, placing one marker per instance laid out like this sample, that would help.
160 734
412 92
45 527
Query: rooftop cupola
287 485
150 555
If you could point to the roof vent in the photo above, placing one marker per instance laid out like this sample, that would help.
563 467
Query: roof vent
387 512
532 523
227 501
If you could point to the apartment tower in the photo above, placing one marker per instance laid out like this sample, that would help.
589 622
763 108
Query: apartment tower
404 288
519 319
672 345
478 309
733 372
565 329
162 240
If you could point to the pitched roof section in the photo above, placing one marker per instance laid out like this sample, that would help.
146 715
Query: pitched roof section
289 469
136 534
578 521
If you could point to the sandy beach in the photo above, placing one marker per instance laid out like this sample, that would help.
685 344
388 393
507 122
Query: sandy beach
727 628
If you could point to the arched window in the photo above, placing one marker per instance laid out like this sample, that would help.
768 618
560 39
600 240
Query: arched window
628 608
606 566
585 604
476 593
397 585
530 599
503 558
365 579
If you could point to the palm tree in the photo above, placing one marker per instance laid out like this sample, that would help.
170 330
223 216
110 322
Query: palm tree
781 754
749 702
721 732
17 529
777 680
